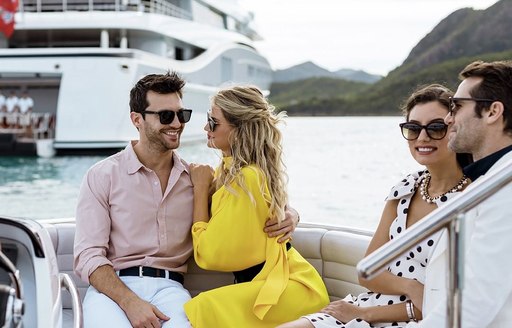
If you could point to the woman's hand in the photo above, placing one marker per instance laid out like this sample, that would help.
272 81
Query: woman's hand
201 175
344 311
415 293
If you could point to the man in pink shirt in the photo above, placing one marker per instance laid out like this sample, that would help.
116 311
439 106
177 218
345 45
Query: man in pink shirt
134 216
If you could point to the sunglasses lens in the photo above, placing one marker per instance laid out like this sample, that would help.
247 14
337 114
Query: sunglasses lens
184 115
437 131
211 122
411 131
166 116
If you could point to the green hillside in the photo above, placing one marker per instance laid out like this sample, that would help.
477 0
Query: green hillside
385 97
464 36
315 89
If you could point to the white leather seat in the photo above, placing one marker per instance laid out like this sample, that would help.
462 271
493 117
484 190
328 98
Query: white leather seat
333 253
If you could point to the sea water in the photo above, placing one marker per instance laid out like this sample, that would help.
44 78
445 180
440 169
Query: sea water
340 170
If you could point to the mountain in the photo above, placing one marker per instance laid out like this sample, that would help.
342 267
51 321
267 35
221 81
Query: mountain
357 75
465 32
462 37
300 72
311 70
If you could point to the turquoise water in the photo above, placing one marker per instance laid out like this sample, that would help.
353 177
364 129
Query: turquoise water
340 170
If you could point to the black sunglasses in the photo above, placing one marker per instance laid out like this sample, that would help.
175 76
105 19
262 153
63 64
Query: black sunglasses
435 130
454 106
211 123
167 116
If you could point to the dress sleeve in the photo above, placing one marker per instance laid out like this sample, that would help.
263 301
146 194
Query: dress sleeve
233 239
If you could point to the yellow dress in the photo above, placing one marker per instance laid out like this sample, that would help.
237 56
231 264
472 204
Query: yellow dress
286 288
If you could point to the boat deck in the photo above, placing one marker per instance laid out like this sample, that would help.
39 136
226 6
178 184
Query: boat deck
20 132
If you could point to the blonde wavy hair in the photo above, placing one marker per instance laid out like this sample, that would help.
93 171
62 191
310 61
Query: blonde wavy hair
255 139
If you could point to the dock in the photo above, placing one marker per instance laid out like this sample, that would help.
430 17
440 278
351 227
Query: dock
21 133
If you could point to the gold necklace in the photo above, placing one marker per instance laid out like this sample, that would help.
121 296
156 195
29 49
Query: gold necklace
426 182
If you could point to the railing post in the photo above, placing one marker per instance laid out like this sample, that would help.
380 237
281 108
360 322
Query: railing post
67 283
456 266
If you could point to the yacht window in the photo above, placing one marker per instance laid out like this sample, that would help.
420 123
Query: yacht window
227 69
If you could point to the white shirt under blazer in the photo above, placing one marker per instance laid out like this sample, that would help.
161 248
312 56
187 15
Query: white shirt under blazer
487 285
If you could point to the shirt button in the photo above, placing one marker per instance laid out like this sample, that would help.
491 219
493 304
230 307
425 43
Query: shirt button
155 183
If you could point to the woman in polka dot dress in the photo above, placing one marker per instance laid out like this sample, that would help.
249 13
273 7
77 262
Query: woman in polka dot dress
396 295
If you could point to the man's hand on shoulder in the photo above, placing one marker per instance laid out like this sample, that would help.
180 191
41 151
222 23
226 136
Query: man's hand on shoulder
285 228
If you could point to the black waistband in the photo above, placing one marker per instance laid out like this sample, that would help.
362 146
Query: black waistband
249 273
140 271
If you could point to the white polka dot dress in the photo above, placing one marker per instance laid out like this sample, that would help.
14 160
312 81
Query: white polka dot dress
411 265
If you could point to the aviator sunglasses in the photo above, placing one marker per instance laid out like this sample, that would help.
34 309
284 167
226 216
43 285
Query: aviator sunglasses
435 130
167 116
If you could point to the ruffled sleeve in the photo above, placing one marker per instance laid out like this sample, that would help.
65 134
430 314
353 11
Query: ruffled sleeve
407 186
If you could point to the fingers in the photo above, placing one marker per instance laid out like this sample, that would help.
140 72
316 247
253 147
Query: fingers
270 222
273 225
155 323
156 320
273 230
284 229
329 312
277 230
285 237
207 169
201 175
160 315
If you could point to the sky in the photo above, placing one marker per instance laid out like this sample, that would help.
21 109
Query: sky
373 35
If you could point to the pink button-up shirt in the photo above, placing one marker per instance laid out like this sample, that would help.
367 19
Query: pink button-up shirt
123 220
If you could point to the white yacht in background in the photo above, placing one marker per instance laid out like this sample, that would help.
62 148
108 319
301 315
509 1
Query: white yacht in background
78 60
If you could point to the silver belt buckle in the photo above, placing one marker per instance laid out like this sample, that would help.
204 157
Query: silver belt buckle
141 271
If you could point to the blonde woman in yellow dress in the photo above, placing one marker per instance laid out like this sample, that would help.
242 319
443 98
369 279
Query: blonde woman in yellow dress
273 282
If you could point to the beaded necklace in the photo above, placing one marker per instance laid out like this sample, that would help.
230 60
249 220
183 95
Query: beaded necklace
426 182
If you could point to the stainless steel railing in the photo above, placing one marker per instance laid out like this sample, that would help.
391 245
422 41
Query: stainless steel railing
67 283
449 216
163 7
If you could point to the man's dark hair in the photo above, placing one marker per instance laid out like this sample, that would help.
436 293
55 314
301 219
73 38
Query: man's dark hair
496 85
170 82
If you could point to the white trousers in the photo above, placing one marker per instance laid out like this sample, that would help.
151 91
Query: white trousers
167 295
